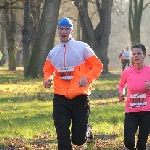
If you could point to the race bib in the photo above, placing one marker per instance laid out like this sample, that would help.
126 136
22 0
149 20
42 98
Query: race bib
66 73
138 100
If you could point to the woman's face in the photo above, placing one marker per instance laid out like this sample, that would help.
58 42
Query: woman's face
138 56
65 34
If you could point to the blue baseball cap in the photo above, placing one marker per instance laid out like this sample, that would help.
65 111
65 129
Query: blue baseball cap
65 22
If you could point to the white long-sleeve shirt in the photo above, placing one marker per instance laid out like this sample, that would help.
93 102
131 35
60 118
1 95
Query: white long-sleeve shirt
126 54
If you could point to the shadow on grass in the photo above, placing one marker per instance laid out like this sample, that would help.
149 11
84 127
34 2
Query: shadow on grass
41 96
6 79
14 77
105 136
104 94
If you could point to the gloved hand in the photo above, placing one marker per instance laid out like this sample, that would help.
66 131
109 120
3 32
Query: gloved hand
48 83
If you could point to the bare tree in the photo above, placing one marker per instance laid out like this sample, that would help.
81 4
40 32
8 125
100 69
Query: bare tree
97 38
135 14
9 11
32 10
45 37
35 15
26 34
3 35
10 15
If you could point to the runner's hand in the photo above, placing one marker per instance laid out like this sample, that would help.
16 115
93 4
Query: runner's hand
83 82
121 97
48 83
147 85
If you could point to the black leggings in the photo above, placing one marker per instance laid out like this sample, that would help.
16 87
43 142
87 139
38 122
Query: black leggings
132 122
68 112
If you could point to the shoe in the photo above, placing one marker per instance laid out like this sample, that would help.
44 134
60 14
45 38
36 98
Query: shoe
147 147
89 134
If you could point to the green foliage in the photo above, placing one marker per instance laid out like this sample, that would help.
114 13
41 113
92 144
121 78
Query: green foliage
26 113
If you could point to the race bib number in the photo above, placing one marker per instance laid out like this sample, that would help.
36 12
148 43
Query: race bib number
66 73
138 100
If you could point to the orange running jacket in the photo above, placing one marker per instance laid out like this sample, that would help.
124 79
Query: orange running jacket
77 57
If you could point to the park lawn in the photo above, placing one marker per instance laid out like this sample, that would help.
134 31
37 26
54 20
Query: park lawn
26 113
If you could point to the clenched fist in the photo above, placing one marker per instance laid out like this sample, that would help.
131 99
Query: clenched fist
48 83
121 97
147 85
83 82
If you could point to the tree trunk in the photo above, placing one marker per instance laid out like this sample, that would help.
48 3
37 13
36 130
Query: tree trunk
105 27
10 36
3 35
45 38
26 35
135 15
98 39
35 12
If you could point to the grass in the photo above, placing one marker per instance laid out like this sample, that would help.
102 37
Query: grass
26 113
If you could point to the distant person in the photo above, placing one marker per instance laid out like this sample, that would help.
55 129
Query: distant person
73 66
122 59
136 79
126 55
4 59
1 58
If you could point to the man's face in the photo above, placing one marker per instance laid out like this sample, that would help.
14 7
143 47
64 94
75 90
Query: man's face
65 34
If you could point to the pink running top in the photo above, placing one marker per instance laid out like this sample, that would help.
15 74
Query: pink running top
138 97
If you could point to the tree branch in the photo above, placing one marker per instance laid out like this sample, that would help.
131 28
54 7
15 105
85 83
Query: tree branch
146 6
